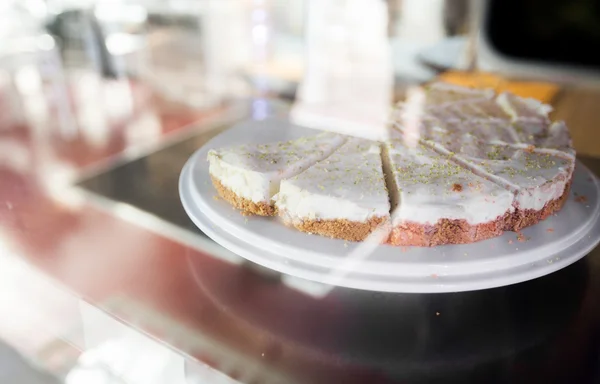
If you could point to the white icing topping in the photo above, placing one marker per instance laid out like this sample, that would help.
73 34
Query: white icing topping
470 110
508 139
349 185
536 177
254 171
523 108
431 187
557 137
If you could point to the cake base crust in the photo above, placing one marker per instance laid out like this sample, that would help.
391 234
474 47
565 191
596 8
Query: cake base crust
339 229
460 232
247 207
522 218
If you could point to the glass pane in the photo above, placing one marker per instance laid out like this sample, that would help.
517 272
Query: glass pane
292 191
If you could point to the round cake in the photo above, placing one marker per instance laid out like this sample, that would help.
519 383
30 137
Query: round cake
460 165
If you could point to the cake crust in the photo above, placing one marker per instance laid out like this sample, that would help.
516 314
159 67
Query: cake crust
460 232
523 218
247 207
339 229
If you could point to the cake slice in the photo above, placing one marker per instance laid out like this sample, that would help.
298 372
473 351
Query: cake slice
435 201
536 168
452 102
442 100
555 136
481 104
521 108
454 134
453 113
539 178
247 176
477 109
343 196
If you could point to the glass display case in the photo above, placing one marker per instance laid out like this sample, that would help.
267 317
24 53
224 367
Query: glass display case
426 219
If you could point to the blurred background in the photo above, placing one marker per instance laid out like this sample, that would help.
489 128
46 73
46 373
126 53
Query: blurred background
101 102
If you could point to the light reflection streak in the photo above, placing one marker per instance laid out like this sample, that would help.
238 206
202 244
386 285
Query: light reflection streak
351 263
412 115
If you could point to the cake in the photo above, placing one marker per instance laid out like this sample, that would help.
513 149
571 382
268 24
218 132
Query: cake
247 176
435 201
343 196
462 165
507 140
519 108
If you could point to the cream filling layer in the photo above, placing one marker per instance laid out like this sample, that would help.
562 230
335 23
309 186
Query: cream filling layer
431 187
348 185
254 171
252 185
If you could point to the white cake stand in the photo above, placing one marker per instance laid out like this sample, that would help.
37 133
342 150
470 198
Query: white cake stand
551 245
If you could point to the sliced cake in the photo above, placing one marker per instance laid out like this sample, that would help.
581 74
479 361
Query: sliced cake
343 196
442 94
454 110
435 201
463 165
521 108
247 176
517 148
527 134
539 178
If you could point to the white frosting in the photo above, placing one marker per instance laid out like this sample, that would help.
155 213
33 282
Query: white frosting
523 108
454 133
508 139
430 188
557 137
349 185
535 176
464 155
254 171
470 110
364 123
